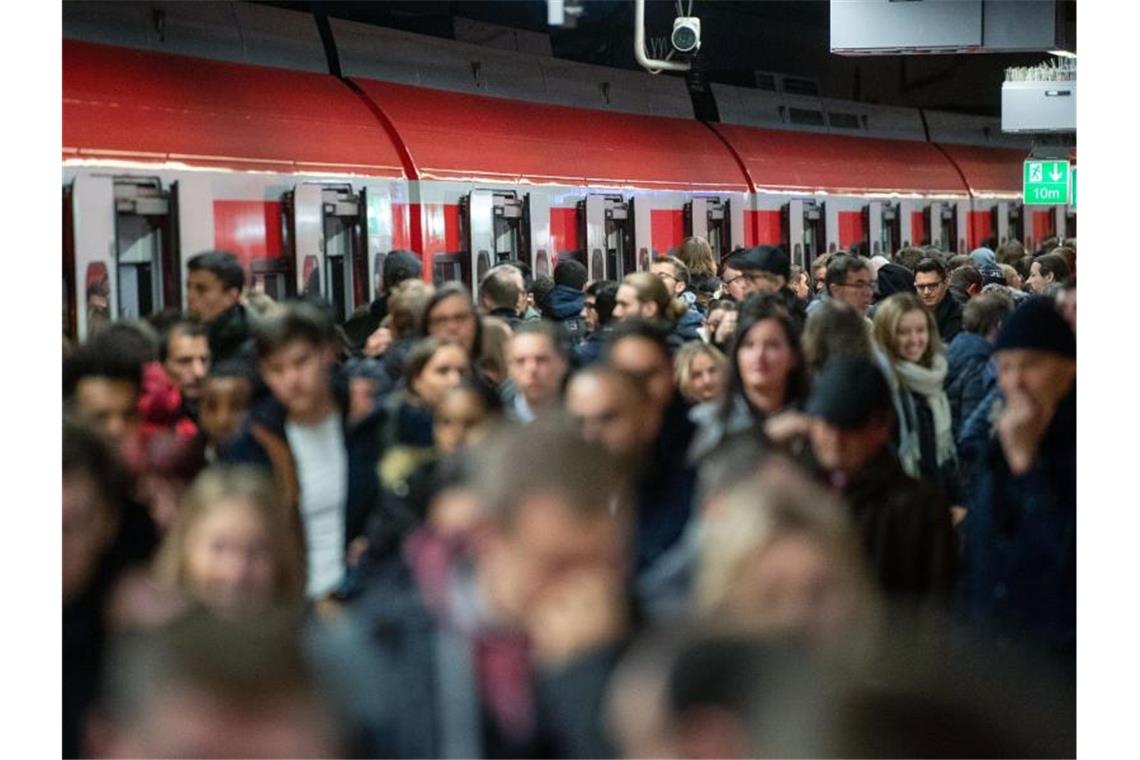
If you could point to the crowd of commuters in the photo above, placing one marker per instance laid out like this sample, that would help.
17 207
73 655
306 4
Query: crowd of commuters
713 509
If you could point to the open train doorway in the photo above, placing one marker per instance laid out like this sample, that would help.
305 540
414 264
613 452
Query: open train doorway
326 244
882 226
123 257
803 231
1007 221
495 224
710 217
943 227
606 225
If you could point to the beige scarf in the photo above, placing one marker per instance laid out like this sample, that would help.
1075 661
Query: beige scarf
928 382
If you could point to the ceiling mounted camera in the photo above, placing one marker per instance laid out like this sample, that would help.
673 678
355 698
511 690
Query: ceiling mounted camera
686 37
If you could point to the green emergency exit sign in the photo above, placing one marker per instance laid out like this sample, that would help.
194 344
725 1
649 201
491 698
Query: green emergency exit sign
1046 183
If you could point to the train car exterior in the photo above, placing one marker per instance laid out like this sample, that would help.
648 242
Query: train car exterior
311 179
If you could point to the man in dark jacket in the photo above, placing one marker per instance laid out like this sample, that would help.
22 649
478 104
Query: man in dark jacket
933 286
502 294
501 646
323 461
398 266
213 295
1021 528
598 313
564 303
905 523
666 491
969 352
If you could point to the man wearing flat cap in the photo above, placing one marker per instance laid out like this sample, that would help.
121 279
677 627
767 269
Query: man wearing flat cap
768 268
905 523
1021 528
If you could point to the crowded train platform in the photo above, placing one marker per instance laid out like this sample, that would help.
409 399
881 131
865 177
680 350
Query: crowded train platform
384 438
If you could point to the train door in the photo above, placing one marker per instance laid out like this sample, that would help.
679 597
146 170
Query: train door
882 227
327 244
641 210
717 220
905 211
123 257
606 226
943 224
1007 221
146 247
804 233
497 226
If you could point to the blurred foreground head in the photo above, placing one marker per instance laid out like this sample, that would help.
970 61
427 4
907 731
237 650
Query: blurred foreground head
231 548
207 688
930 690
554 515
778 553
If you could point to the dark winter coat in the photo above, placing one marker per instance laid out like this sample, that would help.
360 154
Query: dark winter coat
948 315
689 325
365 322
591 349
510 316
967 356
1021 536
906 530
564 306
230 336
667 486
410 688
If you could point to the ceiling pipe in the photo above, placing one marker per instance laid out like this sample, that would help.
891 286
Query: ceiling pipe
652 65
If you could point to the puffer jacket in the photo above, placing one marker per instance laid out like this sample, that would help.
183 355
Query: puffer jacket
966 383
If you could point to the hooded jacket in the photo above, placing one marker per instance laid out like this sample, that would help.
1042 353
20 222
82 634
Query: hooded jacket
564 306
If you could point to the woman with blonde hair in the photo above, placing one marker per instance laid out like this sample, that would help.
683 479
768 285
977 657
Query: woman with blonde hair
233 547
908 335
699 369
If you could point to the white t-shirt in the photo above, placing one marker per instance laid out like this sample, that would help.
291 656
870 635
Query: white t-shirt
322 473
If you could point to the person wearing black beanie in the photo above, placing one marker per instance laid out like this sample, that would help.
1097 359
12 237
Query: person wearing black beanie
1021 525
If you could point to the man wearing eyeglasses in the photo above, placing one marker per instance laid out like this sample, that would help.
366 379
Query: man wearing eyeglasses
933 287
737 285
849 280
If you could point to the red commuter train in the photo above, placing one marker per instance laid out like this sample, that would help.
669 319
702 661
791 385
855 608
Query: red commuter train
311 178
